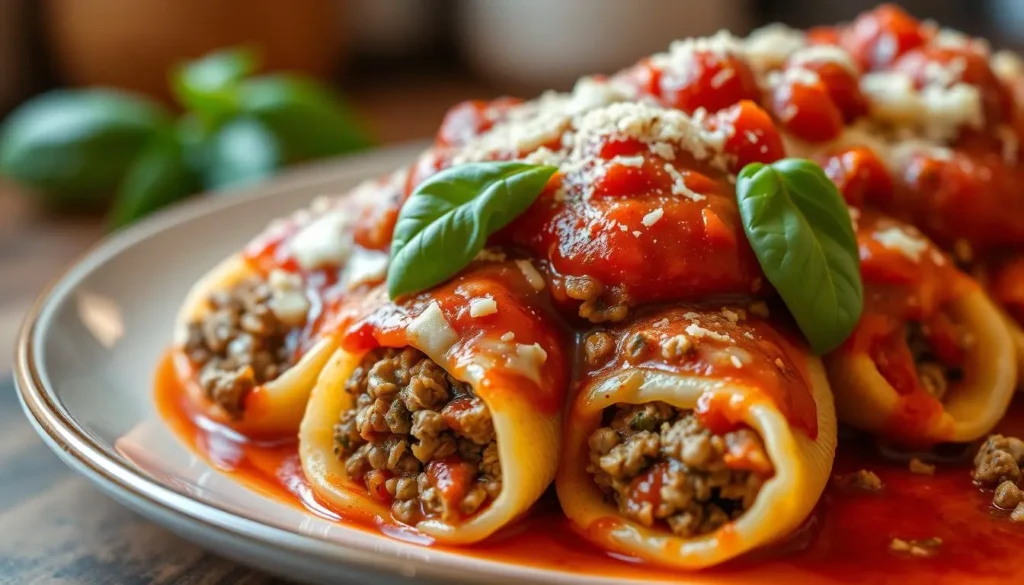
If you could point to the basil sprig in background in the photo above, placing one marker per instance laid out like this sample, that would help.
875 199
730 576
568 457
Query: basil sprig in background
79 147
801 232
445 223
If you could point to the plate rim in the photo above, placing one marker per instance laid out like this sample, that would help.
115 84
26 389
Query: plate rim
84 454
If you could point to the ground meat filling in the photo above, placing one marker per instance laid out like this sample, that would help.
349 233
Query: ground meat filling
934 375
418 437
660 465
239 344
600 303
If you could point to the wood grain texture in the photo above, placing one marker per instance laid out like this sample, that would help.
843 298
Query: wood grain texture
56 528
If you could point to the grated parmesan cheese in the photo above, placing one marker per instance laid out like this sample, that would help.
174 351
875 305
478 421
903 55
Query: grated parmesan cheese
481 307
937 112
820 54
679 185
533 277
628 161
793 76
653 217
722 77
698 332
490 255
733 316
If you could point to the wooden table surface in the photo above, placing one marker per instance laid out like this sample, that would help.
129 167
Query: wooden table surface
55 527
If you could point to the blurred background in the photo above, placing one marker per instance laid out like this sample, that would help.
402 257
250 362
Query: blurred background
394 67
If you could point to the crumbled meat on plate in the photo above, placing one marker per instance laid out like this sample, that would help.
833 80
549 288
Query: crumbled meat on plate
238 344
920 467
998 464
1007 495
862 480
928 547
998 460
655 444
1018 513
411 423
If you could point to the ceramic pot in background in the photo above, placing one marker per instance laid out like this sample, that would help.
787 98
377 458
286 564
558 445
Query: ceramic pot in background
133 43
390 28
539 43
15 62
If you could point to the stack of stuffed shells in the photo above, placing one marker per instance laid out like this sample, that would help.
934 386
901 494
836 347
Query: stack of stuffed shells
619 341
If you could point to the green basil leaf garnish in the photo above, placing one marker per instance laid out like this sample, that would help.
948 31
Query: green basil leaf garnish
446 221
801 232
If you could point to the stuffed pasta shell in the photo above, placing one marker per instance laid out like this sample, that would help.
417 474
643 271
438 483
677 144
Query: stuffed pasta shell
443 411
696 436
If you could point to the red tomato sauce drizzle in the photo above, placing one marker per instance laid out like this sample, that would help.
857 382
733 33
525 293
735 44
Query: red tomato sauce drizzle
846 539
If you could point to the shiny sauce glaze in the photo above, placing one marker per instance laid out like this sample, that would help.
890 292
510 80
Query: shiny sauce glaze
633 205
506 339
907 282
845 540
732 347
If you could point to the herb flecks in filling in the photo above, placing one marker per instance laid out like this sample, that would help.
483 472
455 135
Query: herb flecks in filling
418 437
659 464
239 343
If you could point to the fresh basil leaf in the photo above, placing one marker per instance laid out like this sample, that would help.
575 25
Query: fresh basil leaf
195 137
801 232
446 221
241 152
75 146
158 177
307 119
208 85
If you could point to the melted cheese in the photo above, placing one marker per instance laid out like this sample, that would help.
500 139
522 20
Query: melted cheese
325 241
431 333
483 306
366 267
288 301
897 239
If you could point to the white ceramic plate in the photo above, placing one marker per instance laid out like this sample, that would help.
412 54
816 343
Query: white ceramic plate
85 364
